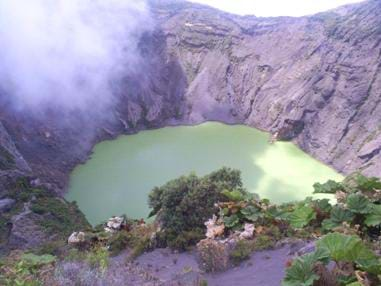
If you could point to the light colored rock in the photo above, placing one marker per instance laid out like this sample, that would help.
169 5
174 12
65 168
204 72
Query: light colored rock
341 197
113 224
248 231
77 238
307 248
6 204
213 229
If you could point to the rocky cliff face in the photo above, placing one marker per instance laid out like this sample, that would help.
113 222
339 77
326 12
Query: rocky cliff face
314 80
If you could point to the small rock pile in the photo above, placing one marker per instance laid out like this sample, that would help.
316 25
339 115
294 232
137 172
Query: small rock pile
114 224
214 251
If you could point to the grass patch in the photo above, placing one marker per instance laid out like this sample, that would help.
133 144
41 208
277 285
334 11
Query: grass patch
60 216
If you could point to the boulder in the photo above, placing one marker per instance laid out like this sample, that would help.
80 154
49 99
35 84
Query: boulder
77 238
308 248
213 229
6 204
248 231
213 254
115 223
290 129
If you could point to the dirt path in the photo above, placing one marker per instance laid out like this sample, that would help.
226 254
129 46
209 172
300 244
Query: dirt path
264 268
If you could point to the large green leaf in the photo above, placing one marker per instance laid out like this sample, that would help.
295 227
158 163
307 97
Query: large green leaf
359 204
337 217
301 272
340 215
374 218
231 221
275 213
301 217
234 195
330 187
342 247
252 213
322 205
367 184
370 265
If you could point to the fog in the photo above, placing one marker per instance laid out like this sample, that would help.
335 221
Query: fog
67 54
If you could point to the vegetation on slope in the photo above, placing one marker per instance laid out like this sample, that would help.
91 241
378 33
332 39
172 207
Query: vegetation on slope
54 216
183 205
346 233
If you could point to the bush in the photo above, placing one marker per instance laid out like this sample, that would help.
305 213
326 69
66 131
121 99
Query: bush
348 254
185 239
98 258
262 242
118 242
139 248
139 240
183 205
241 251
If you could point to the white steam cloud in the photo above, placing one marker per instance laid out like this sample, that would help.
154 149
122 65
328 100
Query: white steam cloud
67 54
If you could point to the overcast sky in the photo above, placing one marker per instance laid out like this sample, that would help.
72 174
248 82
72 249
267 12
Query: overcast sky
266 8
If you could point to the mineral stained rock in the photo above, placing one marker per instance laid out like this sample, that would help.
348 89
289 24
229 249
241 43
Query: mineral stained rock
213 229
113 224
77 238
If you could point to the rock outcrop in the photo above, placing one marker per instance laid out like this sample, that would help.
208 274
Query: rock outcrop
315 80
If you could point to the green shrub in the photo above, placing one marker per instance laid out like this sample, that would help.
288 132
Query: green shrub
139 248
264 241
185 239
75 254
301 216
139 239
348 254
241 251
98 258
183 205
118 242
302 270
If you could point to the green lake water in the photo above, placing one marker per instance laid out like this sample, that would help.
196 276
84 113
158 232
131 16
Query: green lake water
121 173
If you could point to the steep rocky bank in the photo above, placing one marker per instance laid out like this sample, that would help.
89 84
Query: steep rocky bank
315 80
319 75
